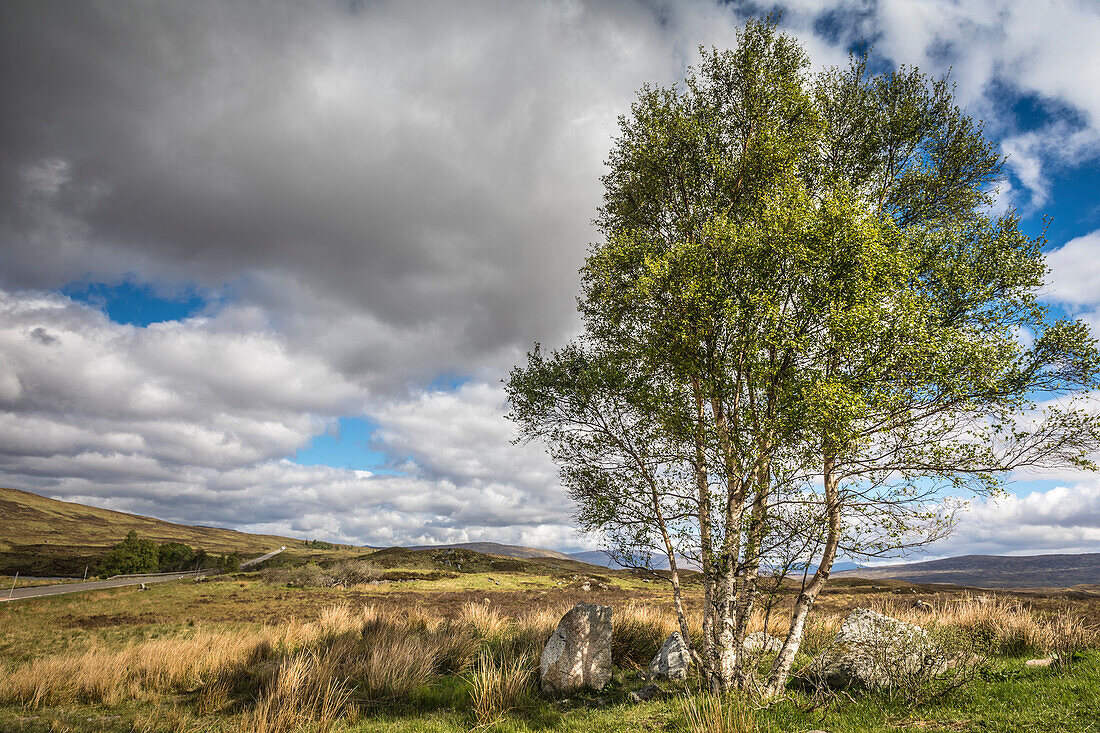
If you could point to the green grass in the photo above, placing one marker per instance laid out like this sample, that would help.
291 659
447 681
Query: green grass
1009 698
1024 701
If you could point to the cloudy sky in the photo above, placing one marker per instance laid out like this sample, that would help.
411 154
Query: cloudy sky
263 265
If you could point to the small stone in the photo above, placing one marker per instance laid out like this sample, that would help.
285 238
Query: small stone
673 659
646 693
1039 662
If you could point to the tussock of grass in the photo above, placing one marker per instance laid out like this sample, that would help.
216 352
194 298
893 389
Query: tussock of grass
998 625
303 689
500 685
716 714
638 633
483 618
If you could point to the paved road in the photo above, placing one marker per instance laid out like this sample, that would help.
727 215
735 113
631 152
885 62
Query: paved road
53 590
261 558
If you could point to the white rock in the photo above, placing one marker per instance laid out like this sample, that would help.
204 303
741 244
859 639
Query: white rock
760 643
673 660
578 653
873 650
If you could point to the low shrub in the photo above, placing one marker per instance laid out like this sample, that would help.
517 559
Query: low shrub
353 572
346 573
310 575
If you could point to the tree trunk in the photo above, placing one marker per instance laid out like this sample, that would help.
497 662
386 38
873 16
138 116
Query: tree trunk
781 668
728 585
747 586
702 485
674 572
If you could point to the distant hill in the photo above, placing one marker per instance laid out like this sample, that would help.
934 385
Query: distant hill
601 558
597 557
495 548
994 571
660 562
41 536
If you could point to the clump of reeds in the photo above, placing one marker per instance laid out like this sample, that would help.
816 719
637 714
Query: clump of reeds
638 633
499 685
707 713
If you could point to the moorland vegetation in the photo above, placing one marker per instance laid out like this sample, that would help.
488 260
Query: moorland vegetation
250 652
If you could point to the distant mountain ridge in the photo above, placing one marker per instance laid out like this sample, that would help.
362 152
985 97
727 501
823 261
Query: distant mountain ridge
660 562
994 571
495 548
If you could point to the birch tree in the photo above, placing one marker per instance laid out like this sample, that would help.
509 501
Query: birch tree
802 330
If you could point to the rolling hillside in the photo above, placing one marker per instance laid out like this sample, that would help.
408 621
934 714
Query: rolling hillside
994 571
495 548
41 536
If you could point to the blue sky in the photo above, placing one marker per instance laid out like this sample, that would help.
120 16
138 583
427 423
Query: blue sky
271 276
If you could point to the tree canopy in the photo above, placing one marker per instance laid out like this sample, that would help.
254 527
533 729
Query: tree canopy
804 327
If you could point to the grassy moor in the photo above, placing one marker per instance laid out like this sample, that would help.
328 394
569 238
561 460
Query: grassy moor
449 639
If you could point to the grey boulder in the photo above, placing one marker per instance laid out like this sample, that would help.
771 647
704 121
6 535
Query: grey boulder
673 659
759 642
872 650
578 653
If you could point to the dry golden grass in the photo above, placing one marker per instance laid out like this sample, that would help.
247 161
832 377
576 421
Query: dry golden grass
299 675
99 675
999 625
717 714
498 686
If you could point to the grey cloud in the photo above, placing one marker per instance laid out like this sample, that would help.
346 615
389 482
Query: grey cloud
379 194
43 336
429 167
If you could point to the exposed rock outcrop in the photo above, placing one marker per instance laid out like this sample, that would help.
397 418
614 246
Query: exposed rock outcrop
873 650
578 653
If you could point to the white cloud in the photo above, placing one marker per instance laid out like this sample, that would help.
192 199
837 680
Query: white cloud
381 195
1061 519
191 420
1075 272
